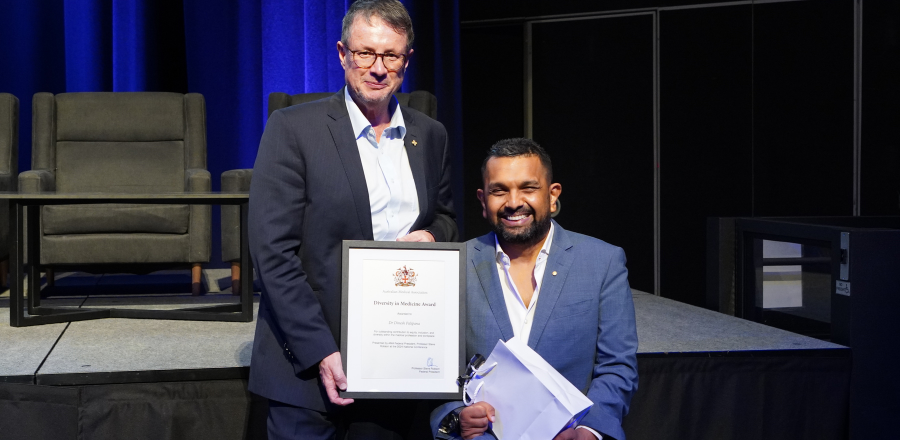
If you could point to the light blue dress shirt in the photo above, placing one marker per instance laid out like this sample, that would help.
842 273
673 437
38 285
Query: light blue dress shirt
392 190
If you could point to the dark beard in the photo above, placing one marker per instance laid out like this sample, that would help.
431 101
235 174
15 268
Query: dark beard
531 235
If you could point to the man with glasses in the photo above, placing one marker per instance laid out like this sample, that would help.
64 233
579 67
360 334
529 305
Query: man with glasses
355 166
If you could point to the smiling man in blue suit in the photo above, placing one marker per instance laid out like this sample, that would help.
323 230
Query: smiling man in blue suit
565 293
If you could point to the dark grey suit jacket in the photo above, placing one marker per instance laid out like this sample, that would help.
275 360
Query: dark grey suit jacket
307 195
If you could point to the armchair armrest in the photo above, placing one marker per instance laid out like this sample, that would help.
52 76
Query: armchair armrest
37 181
197 180
233 181
236 180
7 182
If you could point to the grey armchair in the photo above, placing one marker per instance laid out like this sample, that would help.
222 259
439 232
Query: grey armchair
239 180
144 142
9 166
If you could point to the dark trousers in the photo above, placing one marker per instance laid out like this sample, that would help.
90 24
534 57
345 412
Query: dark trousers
361 420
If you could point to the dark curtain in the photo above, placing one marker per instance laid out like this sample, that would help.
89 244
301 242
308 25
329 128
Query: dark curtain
234 52
734 396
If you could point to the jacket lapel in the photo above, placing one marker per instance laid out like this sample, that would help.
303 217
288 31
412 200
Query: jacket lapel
485 262
416 156
344 141
560 261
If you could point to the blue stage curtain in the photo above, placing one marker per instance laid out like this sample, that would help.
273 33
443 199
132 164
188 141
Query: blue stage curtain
32 58
88 41
234 52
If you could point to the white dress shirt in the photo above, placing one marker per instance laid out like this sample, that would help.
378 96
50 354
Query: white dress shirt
393 200
521 316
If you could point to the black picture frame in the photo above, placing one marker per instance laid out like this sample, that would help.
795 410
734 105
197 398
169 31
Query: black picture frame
460 362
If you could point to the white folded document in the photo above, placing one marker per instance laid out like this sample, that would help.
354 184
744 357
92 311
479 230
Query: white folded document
532 400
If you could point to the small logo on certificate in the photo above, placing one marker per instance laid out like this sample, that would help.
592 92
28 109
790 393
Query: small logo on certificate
404 277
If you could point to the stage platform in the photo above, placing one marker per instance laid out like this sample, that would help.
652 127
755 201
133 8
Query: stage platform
107 351
703 374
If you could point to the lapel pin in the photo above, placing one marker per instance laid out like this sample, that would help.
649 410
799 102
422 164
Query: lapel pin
414 143
554 273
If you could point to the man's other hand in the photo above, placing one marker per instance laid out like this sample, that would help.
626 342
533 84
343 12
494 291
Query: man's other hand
474 420
575 434
418 236
331 370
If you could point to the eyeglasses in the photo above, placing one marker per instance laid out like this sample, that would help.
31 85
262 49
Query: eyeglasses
366 59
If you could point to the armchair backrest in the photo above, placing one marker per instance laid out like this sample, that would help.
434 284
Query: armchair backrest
9 137
128 142
420 100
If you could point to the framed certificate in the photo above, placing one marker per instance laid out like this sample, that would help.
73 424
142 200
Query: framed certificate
402 319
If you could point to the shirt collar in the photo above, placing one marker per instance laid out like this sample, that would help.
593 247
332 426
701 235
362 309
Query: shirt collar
361 125
545 249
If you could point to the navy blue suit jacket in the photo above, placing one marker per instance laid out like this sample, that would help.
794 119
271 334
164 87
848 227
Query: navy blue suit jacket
583 322
307 195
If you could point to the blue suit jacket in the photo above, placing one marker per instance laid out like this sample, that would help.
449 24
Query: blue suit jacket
307 195
583 322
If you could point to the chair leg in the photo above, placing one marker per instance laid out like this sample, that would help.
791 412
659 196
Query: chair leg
51 281
4 273
196 281
235 278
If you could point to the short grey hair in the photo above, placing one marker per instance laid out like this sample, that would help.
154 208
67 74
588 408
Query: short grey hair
392 12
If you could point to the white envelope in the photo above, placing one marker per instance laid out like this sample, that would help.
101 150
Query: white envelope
532 400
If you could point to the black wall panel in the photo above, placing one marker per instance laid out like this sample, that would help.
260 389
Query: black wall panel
756 115
880 155
803 108
493 84
705 134
471 10
593 112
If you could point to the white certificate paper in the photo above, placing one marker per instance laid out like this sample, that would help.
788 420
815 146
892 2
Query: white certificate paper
402 321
